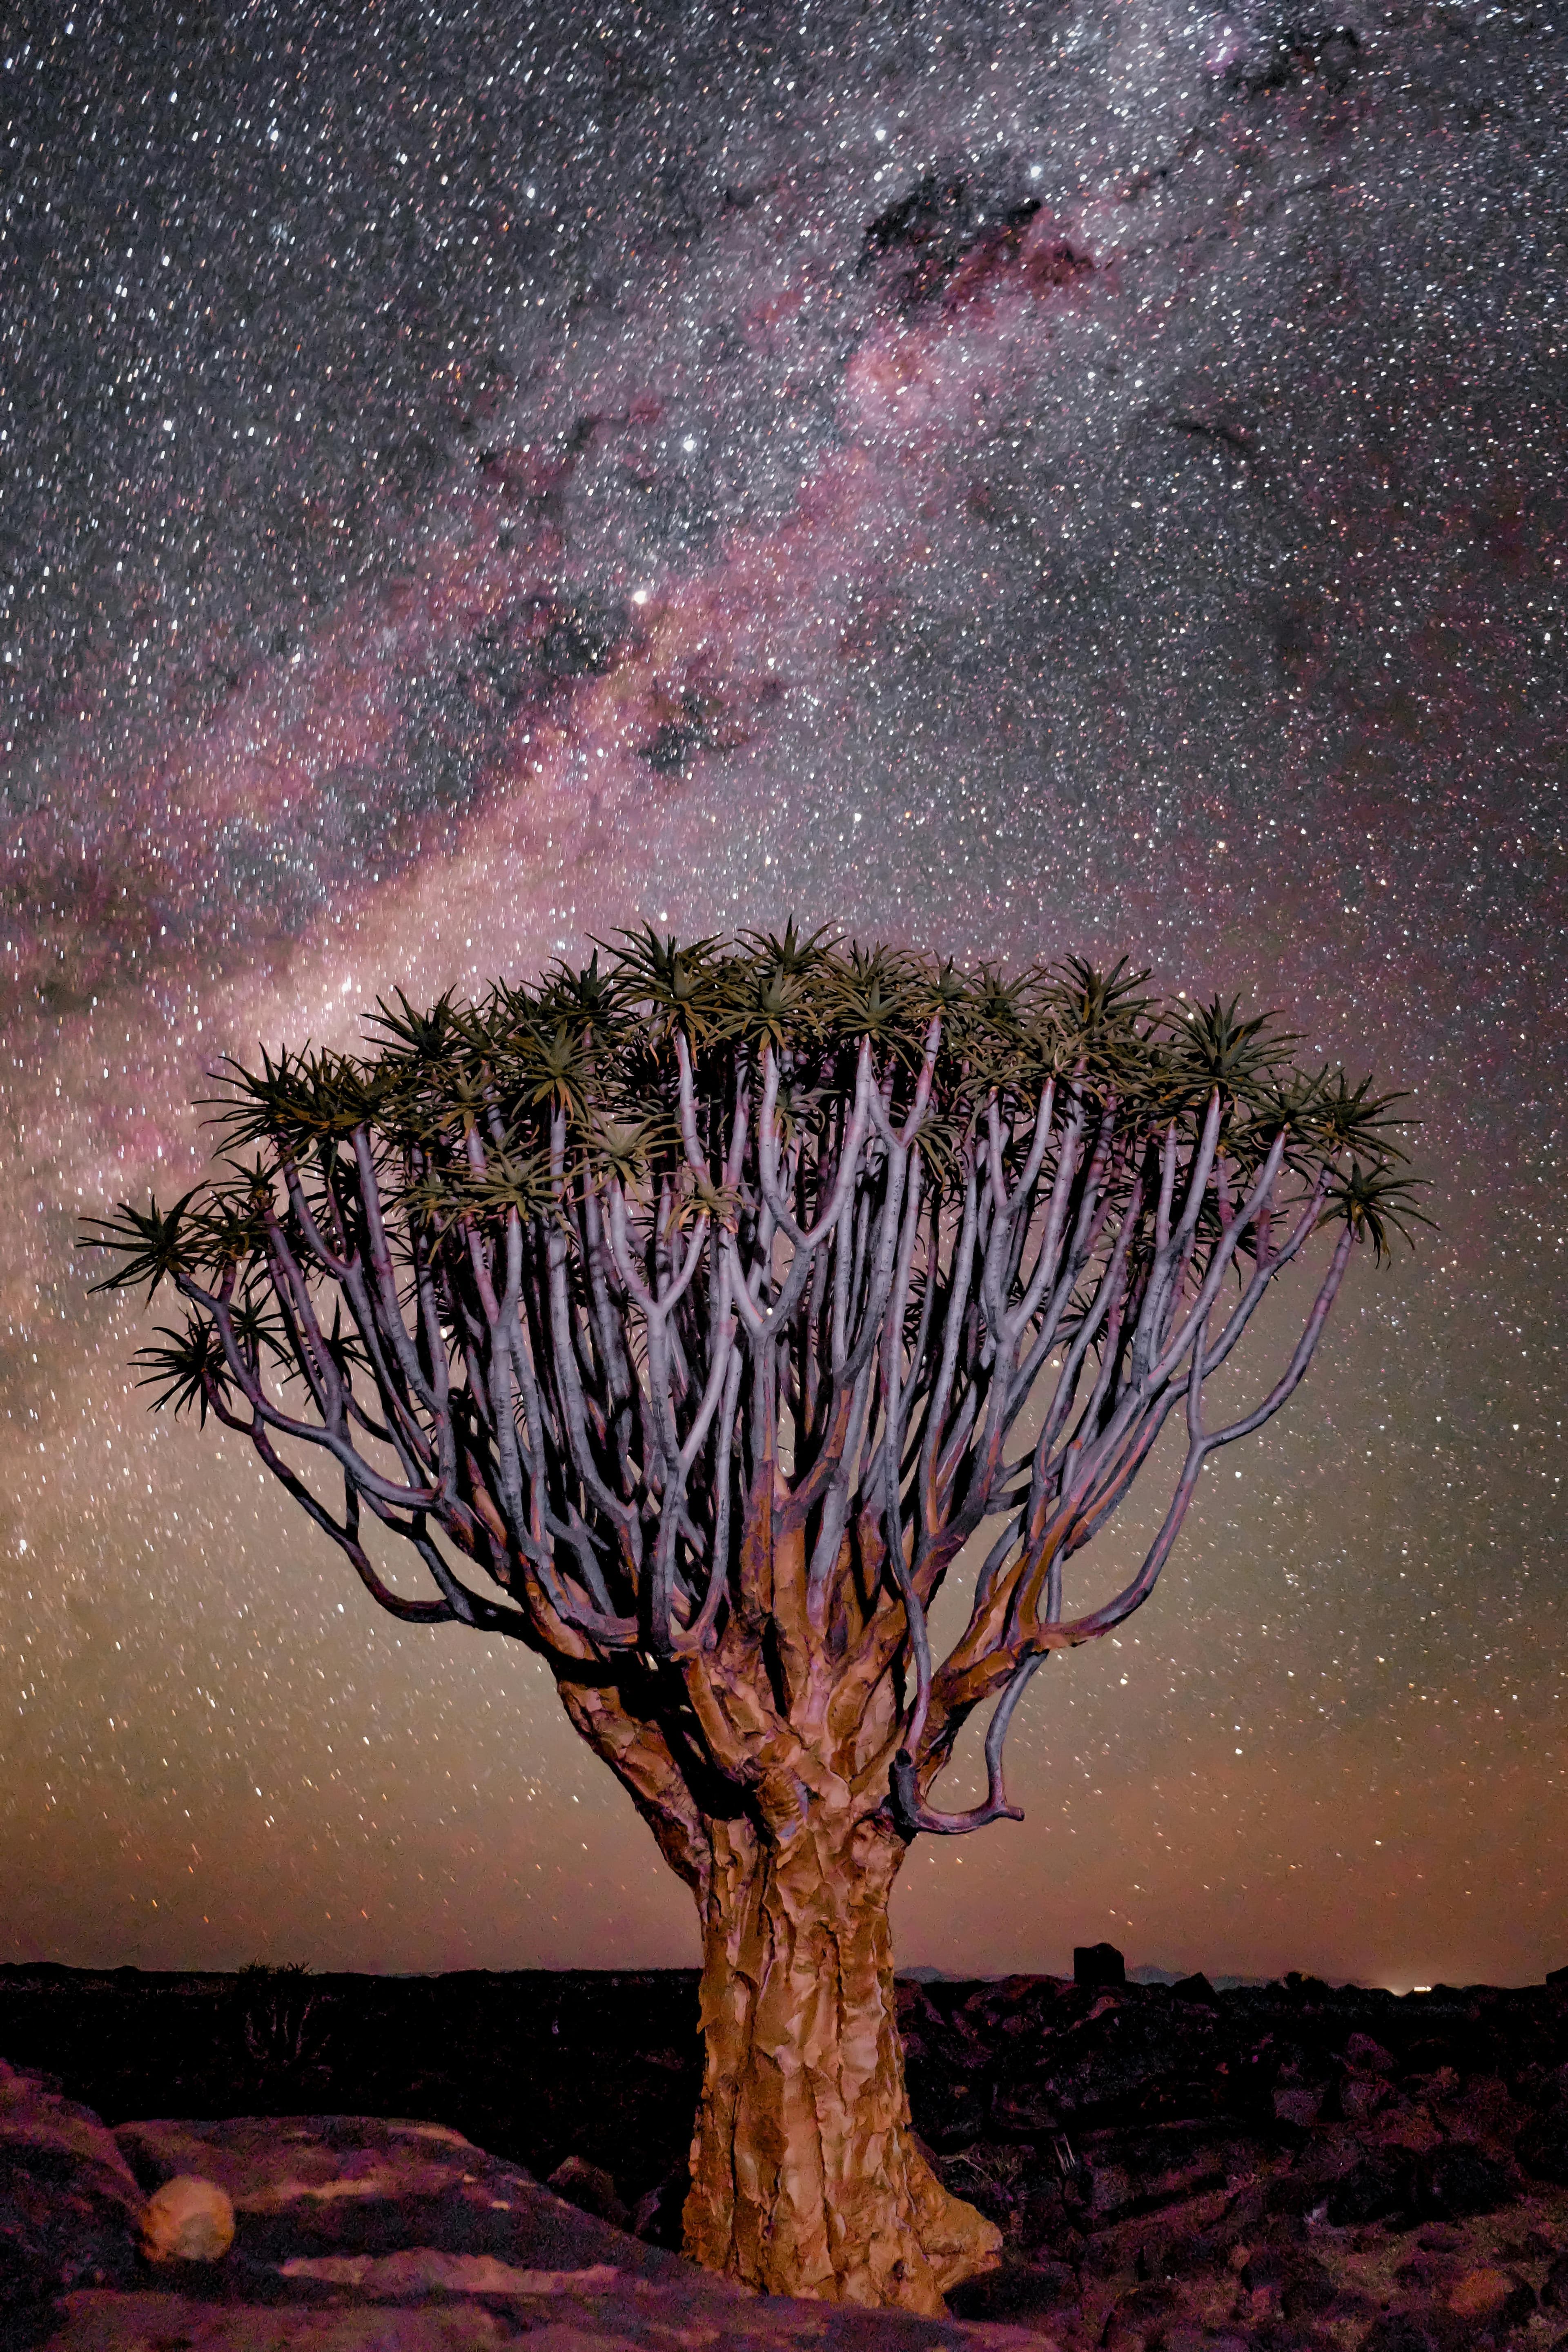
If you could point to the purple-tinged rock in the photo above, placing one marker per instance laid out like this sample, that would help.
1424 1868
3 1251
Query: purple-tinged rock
69 2208
1542 2147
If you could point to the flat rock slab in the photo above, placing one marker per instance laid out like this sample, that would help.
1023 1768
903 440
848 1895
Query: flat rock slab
307 2186
358 2234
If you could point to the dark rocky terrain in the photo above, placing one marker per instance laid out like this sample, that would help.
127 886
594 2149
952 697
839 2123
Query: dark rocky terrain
1289 2164
1293 2167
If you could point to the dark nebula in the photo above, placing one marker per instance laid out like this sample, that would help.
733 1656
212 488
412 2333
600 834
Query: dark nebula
1013 478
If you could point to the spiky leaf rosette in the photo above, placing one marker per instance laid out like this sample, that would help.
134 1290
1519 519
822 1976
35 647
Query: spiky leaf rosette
709 1300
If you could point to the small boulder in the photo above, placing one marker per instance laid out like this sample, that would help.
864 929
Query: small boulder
591 2189
1140 2315
1542 2147
1379 2184
1018 2292
659 2215
1307 2289
188 2221
1488 2293
1460 2178
1188 2254
1361 2095
1098 1964
1260 2266
1535 2246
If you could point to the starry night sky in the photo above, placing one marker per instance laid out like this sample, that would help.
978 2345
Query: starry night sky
1013 479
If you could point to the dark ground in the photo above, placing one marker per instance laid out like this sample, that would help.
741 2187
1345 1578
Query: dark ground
534 2066
1069 2112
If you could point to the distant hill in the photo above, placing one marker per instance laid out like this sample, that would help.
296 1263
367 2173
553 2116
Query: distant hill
1148 1973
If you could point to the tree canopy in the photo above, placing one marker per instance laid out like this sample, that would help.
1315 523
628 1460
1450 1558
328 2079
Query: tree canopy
606 1296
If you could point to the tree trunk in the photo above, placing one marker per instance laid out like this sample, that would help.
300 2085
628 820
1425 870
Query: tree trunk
805 2179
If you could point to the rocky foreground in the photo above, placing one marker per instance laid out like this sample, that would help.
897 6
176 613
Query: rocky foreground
1290 2168
1294 2166
354 2234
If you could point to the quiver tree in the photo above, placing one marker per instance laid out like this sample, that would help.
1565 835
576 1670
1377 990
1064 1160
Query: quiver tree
688 1317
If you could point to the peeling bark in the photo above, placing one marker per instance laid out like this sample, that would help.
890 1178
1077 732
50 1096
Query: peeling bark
806 2177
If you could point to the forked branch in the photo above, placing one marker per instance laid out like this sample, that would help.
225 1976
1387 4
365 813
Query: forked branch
698 1304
